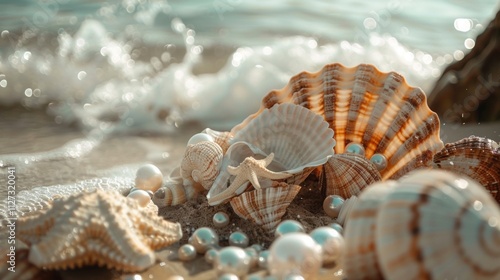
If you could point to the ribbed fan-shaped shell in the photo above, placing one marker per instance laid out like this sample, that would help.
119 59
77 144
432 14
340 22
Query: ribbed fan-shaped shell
348 174
299 139
438 225
201 163
363 105
265 207
476 157
359 234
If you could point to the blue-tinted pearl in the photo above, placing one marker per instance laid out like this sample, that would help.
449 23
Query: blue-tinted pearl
355 148
332 205
187 252
232 260
294 253
228 276
337 227
263 256
210 255
331 242
203 239
220 219
379 161
238 239
288 226
253 255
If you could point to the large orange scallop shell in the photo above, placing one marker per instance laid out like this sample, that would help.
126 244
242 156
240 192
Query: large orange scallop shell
378 110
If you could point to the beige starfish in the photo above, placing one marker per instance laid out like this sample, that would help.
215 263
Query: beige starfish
249 170
98 228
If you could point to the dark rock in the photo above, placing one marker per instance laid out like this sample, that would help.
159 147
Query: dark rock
469 89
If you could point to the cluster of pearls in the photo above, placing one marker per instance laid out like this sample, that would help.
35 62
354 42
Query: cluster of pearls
379 160
148 179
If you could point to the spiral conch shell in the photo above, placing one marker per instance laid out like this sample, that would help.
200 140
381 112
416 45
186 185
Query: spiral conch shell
201 163
432 224
476 157
173 191
389 119
298 139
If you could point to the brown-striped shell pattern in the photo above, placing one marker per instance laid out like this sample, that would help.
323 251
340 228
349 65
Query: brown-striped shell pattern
347 175
433 224
265 207
476 157
298 139
389 120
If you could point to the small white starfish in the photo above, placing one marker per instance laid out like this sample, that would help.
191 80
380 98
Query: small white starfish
250 169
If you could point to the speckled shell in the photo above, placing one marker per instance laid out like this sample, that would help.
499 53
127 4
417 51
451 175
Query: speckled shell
359 233
363 105
174 192
438 225
348 174
476 157
299 139
201 163
265 207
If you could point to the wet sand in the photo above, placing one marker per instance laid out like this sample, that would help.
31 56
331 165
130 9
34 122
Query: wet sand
33 131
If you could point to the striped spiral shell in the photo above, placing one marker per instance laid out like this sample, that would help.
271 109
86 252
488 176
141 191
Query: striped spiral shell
432 224
201 163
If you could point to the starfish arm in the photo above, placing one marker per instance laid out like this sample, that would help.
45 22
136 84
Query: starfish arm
252 177
266 173
233 170
268 159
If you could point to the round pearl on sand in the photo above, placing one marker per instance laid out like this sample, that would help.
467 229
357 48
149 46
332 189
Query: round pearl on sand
200 137
288 226
257 247
263 256
140 196
355 148
332 205
238 239
148 178
331 242
220 219
203 239
379 161
294 253
337 227
232 260
210 255
187 252
253 255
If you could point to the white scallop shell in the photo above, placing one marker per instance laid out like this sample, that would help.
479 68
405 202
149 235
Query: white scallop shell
299 139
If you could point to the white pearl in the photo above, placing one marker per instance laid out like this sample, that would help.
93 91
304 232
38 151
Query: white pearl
220 219
175 277
379 161
257 247
140 196
337 227
294 253
331 242
148 178
203 239
232 260
238 239
288 226
200 137
332 205
187 252
210 255
228 276
355 148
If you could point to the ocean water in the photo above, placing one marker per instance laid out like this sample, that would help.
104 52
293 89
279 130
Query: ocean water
155 65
